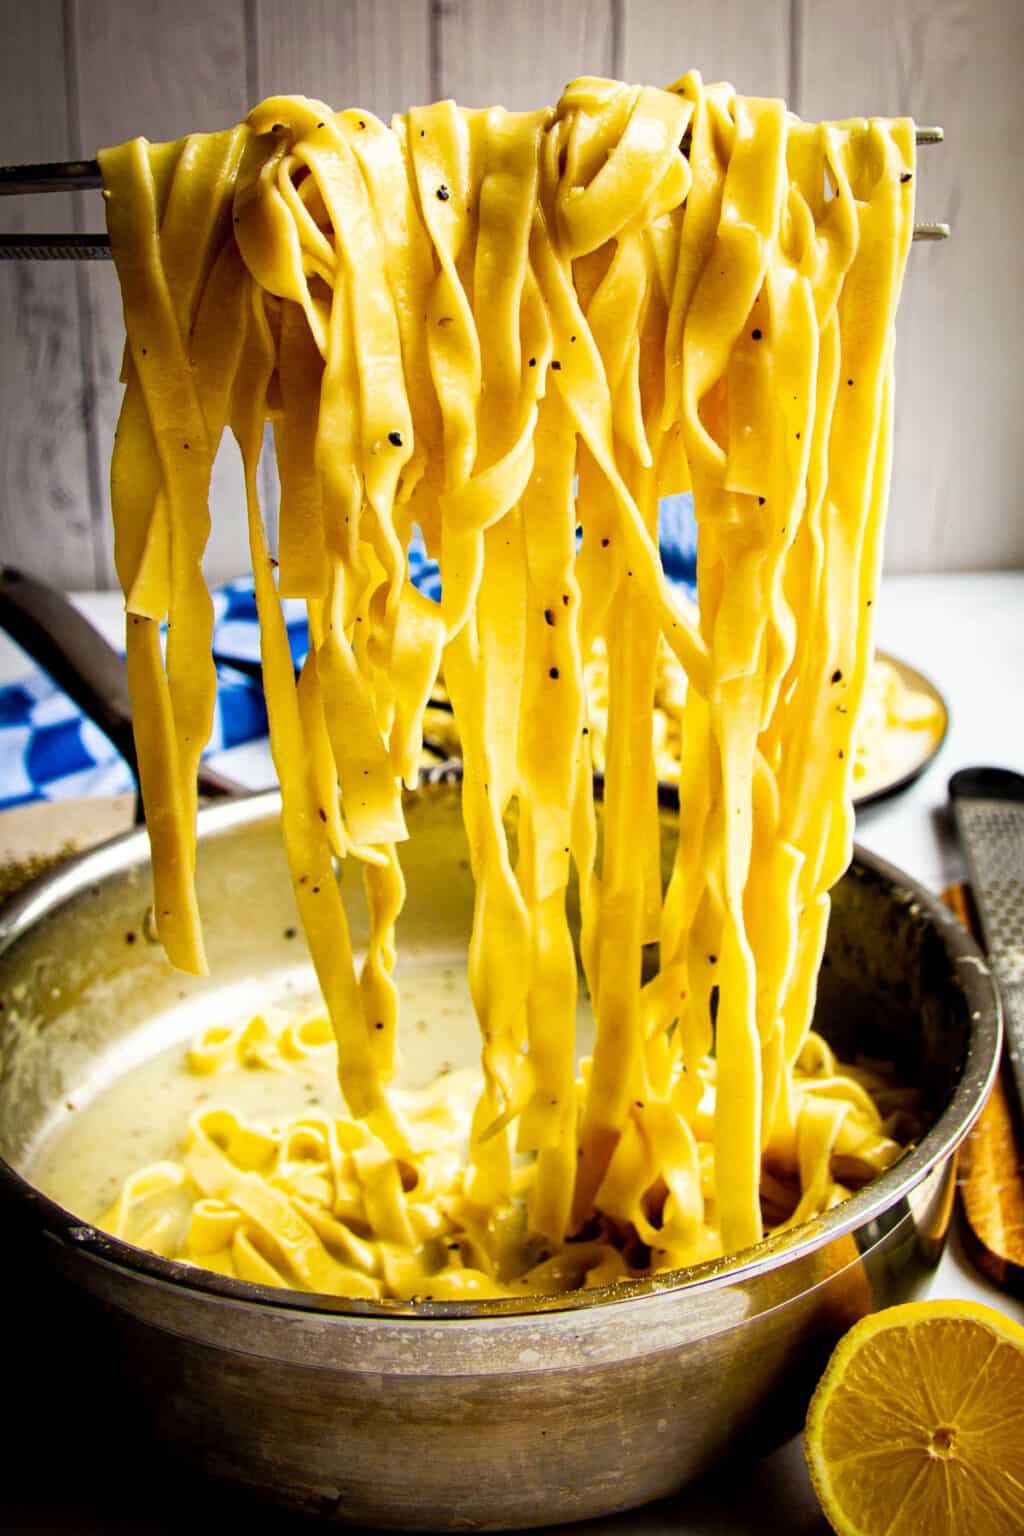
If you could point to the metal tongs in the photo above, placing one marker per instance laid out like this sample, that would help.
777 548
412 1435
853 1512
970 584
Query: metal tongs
84 176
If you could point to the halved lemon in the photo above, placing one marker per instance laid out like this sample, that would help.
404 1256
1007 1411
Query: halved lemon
917 1426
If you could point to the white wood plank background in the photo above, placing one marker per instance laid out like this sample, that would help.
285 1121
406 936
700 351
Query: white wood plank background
48 521
363 53
76 74
493 52
957 500
725 39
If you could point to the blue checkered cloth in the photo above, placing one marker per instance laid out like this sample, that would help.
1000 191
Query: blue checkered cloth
50 751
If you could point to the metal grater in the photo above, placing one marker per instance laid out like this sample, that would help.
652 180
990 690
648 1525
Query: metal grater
988 804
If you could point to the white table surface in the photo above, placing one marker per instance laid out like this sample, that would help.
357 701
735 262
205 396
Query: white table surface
966 633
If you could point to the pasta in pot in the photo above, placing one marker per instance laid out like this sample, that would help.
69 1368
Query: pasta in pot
313 1200
516 331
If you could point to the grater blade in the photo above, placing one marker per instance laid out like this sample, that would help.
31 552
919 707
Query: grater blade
988 805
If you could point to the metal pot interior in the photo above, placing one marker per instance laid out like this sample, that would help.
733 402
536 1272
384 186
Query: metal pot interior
86 992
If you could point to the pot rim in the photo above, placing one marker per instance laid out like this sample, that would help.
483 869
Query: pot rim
969 970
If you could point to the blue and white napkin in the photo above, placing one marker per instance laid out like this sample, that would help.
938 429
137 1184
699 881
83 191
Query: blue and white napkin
50 751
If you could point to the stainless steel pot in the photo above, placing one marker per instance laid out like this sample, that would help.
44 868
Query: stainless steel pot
471 1415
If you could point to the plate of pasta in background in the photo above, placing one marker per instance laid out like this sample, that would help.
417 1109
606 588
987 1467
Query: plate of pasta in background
903 724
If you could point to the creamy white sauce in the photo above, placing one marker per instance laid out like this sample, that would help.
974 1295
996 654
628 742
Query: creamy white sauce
135 1107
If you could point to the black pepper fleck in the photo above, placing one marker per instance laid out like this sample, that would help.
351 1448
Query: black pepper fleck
837 675
290 933
907 176
321 813
556 366
442 193
605 543
379 1024
549 617
362 123
756 334
395 439
553 672
760 501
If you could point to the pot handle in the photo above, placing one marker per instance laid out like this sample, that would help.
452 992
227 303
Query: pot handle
63 642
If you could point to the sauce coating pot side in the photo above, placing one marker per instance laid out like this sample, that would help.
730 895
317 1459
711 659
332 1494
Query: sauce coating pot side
461 1415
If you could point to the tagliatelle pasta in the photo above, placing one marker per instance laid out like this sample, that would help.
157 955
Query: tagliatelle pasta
517 331
316 1201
